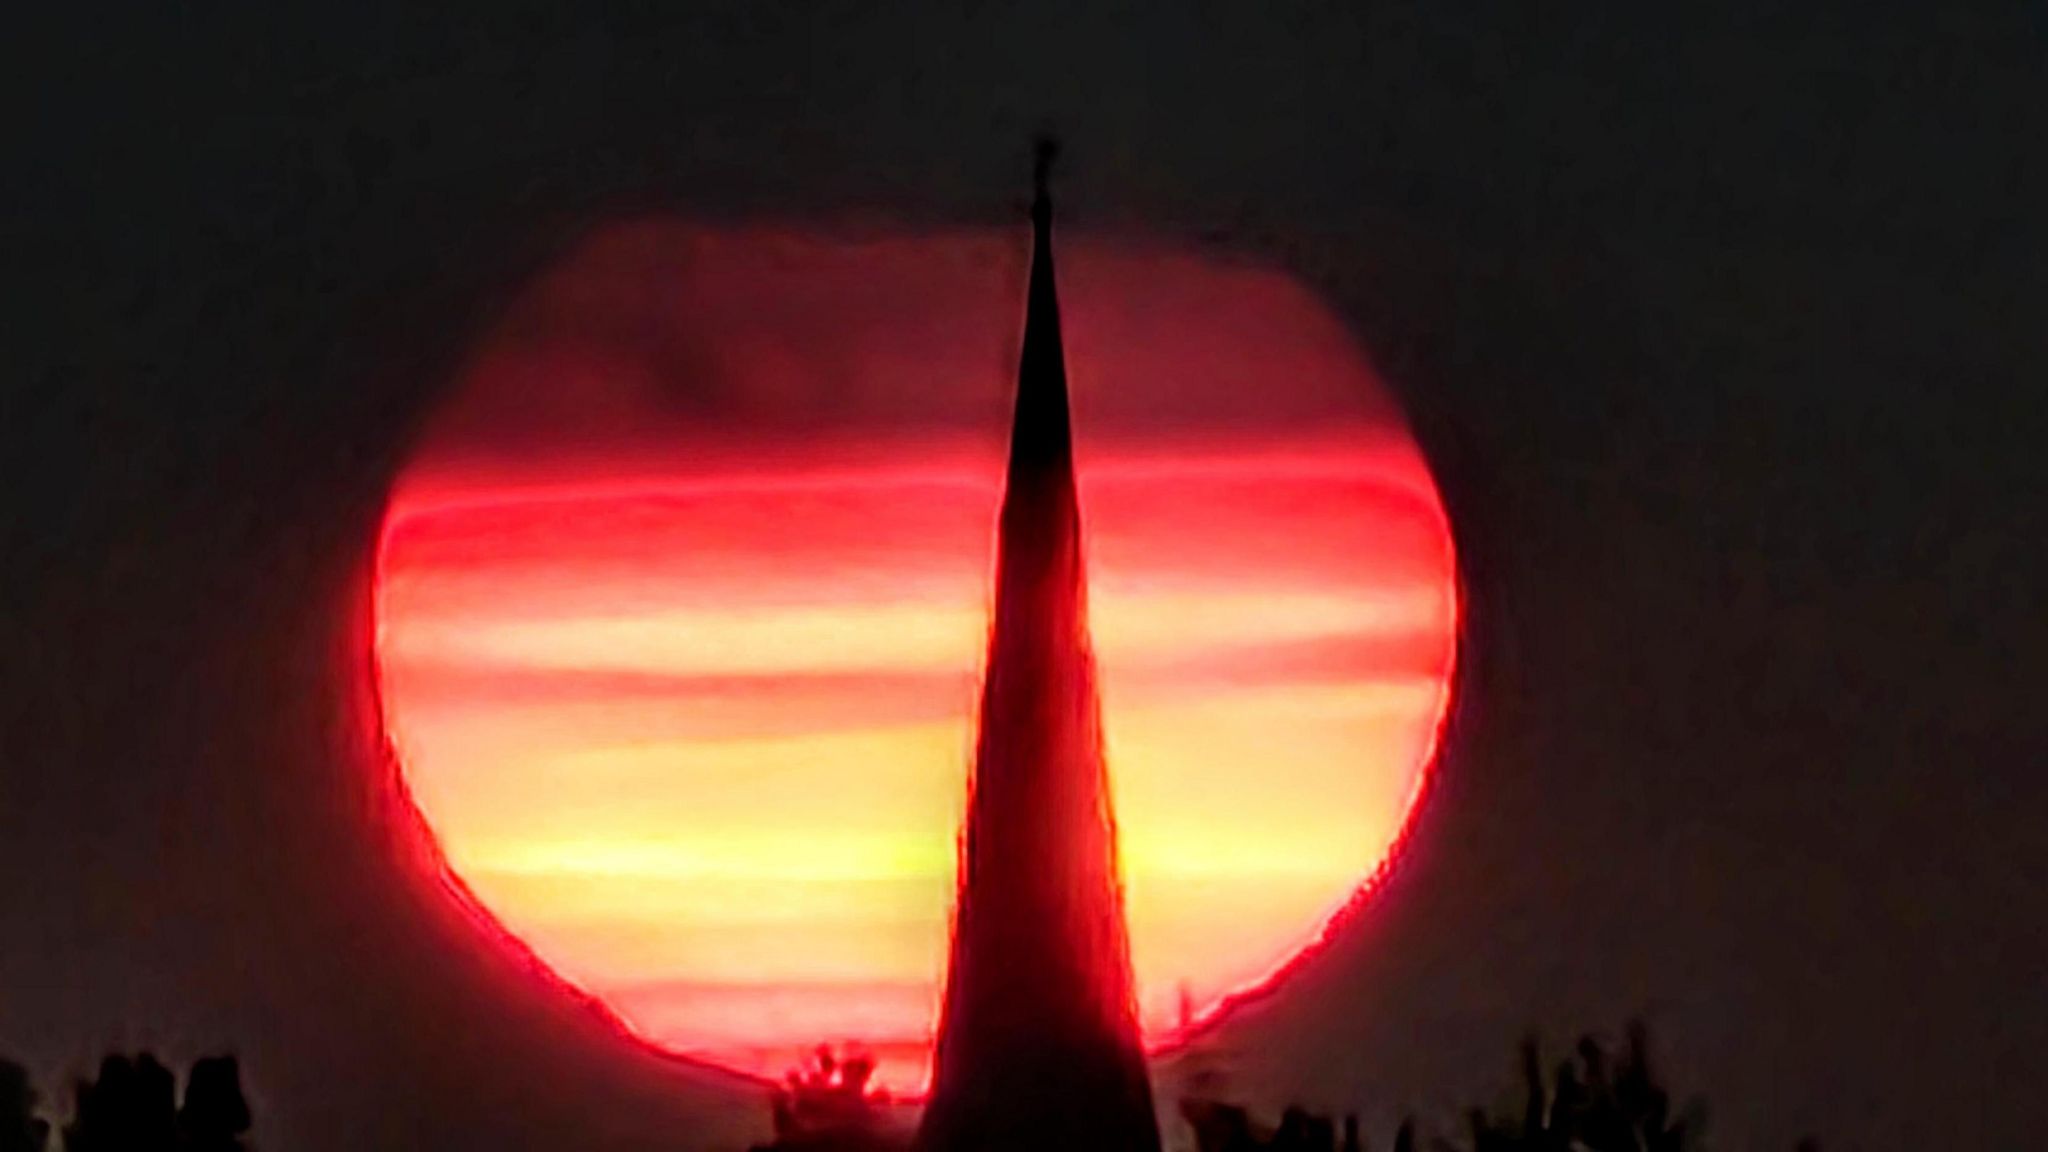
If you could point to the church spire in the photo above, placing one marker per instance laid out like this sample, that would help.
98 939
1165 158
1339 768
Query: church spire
1041 438
1038 1042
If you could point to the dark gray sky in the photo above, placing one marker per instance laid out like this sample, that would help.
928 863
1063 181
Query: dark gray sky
1723 335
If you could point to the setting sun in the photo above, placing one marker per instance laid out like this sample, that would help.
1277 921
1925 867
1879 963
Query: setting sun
682 608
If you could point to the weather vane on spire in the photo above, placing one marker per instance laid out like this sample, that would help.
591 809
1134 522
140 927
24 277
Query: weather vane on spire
1044 150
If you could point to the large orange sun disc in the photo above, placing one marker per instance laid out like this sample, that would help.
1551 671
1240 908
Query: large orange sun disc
682 604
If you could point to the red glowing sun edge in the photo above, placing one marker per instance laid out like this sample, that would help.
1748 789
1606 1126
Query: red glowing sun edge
1256 989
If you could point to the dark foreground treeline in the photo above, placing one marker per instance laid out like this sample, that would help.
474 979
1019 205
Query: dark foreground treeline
132 1106
1594 1100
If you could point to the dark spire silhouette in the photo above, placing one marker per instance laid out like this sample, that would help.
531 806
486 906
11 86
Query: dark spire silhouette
1038 1042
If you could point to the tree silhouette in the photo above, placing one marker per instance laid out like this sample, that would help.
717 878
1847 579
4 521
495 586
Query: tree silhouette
216 1113
131 1106
21 1130
830 1103
1594 1101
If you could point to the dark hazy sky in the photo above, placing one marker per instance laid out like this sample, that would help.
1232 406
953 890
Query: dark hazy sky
1723 336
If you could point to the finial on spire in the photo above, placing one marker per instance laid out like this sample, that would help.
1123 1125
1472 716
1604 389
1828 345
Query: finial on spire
1045 150
1040 440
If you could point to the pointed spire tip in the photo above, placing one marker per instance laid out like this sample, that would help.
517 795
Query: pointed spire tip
1045 149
